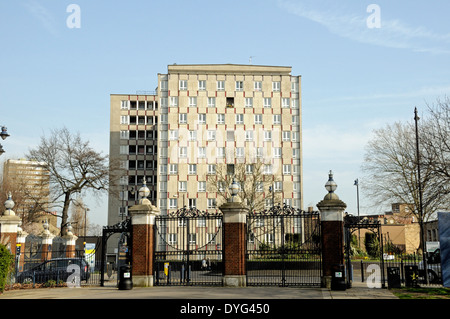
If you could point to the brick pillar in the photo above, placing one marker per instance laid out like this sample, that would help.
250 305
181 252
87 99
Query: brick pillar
332 222
70 239
9 225
234 220
143 222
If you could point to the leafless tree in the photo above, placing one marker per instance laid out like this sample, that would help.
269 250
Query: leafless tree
74 166
253 181
390 167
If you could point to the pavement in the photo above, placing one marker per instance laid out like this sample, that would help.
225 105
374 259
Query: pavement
358 291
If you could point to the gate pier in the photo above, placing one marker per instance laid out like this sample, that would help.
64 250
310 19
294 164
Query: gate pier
234 219
143 222
332 218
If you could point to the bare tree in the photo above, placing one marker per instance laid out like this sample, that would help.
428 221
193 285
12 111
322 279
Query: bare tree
252 179
436 141
390 166
73 165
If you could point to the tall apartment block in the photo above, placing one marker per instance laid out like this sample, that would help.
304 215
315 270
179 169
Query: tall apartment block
29 182
201 117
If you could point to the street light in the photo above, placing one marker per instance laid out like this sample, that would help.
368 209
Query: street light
357 204
4 134
422 233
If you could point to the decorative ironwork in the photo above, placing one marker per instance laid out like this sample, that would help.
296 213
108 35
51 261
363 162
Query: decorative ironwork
192 212
283 210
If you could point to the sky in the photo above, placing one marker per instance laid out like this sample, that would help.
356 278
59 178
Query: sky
364 64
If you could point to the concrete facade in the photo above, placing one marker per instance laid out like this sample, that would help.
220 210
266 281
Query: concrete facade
203 117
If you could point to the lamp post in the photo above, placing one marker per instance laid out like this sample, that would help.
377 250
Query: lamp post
4 134
357 204
422 238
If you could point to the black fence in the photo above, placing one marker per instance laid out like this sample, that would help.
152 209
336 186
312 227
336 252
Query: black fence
406 271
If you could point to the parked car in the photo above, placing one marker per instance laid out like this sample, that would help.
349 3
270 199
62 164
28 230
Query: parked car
55 269
433 267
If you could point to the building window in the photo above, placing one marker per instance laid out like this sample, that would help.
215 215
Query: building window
173 135
172 239
295 103
267 102
276 152
286 169
239 118
192 101
124 105
239 86
182 186
211 135
173 203
230 169
258 118
294 87
173 101
202 152
230 136
192 135
202 118
267 135
278 186
192 169
295 137
277 119
173 168
285 102
202 85
249 135
267 169
192 202
182 152
183 85
124 119
295 120
182 118
220 118
163 187
201 186
230 102
221 152
248 102
240 152
276 86
220 85
249 169
211 169
286 136
211 203
258 86
211 102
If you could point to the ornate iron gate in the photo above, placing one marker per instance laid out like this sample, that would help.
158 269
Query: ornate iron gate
188 248
284 248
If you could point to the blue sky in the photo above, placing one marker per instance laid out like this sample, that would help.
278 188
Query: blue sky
354 78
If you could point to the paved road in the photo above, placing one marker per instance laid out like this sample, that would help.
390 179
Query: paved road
358 291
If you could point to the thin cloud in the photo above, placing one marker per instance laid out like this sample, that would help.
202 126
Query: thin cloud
42 15
392 33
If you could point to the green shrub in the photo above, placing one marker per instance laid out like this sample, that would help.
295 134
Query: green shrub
6 262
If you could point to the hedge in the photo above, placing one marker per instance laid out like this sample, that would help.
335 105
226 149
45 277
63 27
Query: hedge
6 261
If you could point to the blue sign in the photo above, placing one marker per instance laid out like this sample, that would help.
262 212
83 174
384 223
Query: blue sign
444 239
